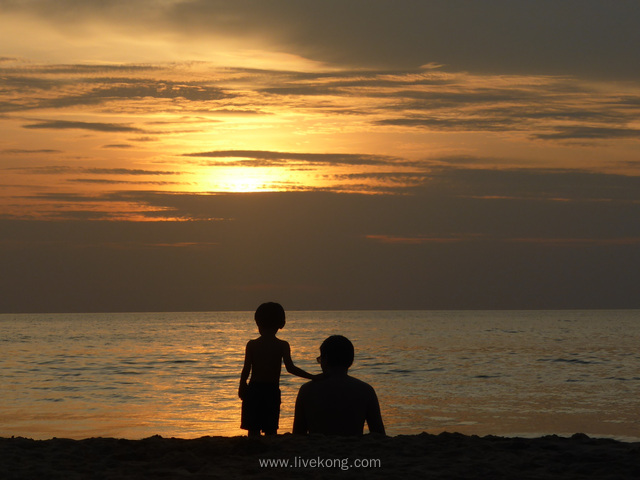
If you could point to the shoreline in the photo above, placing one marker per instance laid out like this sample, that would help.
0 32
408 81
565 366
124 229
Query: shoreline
442 456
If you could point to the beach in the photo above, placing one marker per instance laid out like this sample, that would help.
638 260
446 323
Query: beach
442 456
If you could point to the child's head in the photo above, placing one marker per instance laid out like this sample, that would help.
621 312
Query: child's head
270 316
337 352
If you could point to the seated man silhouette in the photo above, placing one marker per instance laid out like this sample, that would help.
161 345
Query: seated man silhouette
337 404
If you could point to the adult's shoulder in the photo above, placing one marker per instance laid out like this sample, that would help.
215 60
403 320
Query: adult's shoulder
362 385
305 388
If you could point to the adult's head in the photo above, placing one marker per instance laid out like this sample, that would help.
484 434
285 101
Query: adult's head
337 352
270 316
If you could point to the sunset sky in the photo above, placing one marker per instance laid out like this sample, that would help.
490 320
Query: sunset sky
355 154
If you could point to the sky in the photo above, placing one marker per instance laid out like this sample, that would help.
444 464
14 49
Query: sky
180 155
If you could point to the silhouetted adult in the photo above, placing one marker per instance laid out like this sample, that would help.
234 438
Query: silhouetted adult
337 404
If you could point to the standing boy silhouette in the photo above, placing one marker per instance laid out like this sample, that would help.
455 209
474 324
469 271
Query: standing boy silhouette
263 360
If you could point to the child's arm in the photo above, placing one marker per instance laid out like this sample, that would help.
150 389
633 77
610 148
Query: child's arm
288 363
246 369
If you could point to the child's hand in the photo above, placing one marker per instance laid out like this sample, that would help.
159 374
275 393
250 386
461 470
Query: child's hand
242 390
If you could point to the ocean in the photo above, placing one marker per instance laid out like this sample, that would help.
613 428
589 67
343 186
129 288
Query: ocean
508 373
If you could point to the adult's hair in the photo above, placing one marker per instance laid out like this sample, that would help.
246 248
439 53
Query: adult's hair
337 351
270 315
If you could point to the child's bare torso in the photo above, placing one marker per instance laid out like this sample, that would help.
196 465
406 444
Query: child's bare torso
266 354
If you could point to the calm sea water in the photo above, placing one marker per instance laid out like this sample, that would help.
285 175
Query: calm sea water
515 373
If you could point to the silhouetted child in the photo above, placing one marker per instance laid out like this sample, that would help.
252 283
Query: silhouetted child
263 360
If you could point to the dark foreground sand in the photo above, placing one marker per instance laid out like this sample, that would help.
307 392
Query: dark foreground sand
444 456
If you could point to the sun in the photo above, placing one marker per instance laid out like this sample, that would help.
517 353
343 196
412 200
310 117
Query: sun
245 179
245 183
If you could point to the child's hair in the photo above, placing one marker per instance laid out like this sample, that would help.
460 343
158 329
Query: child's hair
270 315
337 351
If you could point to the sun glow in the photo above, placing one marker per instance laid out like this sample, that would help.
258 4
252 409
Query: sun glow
246 179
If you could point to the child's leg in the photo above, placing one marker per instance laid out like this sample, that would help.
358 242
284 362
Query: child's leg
254 433
271 432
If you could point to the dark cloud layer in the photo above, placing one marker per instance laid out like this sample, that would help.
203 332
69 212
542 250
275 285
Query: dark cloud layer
577 37
95 126
65 170
262 158
589 133
340 251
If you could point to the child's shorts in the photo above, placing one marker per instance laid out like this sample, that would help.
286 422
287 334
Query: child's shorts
261 407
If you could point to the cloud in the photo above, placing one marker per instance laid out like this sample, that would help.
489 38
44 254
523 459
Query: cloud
129 90
547 108
578 37
446 195
139 90
542 185
109 72
589 133
360 251
470 96
357 82
232 112
418 240
118 146
26 151
468 177
578 242
270 158
434 181
65 170
94 126
468 124
502 36
129 171
569 243
103 181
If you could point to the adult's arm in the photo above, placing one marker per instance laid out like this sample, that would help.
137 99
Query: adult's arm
299 416
374 417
